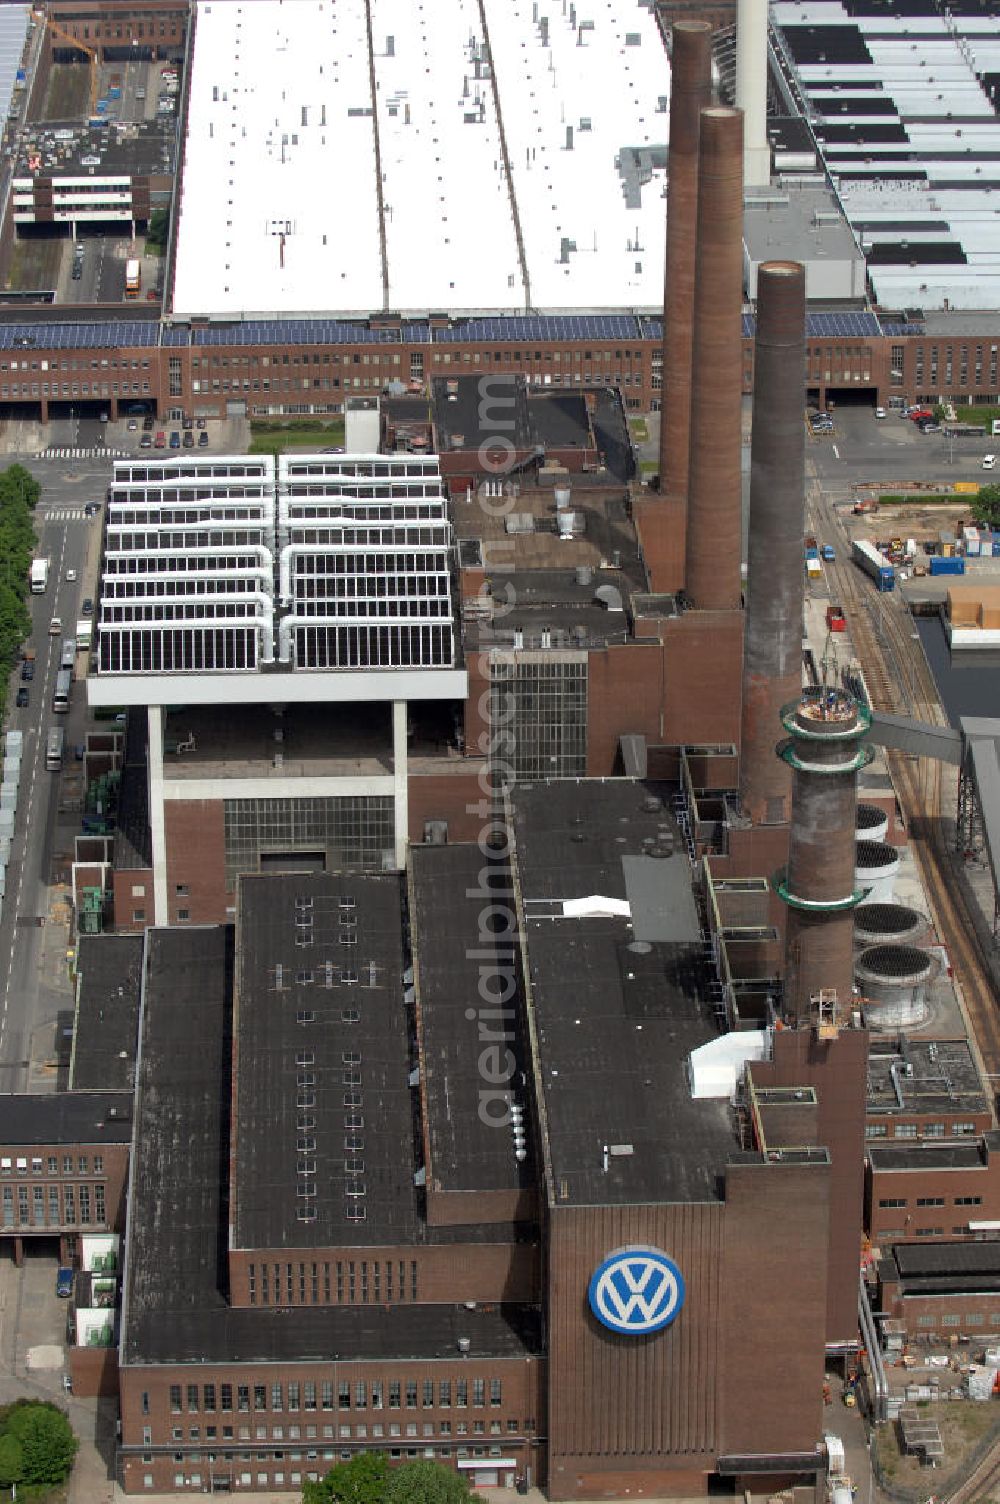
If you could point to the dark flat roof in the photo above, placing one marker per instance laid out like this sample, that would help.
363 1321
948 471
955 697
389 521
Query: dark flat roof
947 1258
927 1156
175 1247
71 1117
324 1334
451 887
133 845
144 147
943 1269
938 1076
313 951
469 410
617 1013
174 1310
105 1030
559 420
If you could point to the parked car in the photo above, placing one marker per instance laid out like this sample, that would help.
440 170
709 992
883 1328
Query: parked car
147 424
202 440
88 607
880 412
188 441
160 442
132 425
145 442
22 698
201 423
175 439
27 671
64 1283
187 423
77 272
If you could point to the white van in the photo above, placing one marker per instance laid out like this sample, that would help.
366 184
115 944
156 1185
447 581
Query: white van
989 461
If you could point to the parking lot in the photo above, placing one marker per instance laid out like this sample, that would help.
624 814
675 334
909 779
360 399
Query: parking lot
117 117
860 446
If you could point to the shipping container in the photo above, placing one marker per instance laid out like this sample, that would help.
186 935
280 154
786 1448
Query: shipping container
874 563
947 565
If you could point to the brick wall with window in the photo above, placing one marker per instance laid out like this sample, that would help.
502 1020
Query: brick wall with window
282 1424
62 1189
480 1271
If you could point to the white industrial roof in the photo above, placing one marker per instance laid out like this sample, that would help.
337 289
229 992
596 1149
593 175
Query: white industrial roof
606 89
279 205
924 171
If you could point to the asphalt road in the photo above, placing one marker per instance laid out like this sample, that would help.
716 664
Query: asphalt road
34 989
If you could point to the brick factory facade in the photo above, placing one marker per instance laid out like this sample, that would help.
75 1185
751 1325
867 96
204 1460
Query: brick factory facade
309 370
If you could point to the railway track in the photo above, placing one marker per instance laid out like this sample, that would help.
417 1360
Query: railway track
900 682
981 1482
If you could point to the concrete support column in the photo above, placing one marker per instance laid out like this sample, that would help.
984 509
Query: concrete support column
751 90
400 770
157 822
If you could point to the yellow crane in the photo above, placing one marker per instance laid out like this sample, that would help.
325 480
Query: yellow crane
78 46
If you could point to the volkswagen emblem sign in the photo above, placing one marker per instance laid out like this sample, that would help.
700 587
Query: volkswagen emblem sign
636 1291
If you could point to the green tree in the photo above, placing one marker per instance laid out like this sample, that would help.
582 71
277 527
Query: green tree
11 1461
47 1443
360 1481
427 1483
158 231
986 506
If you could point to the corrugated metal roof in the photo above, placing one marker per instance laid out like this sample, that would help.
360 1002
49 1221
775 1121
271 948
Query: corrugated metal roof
904 109
13 30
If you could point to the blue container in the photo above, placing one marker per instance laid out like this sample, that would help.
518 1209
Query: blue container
940 565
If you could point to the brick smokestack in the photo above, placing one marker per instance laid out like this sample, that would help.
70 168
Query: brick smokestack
772 659
690 92
825 753
714 518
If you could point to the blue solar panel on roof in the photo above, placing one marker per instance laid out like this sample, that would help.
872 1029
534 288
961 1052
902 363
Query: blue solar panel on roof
77 336
852 325
541 327
294 332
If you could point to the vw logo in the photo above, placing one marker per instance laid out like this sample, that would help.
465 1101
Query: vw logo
636 1290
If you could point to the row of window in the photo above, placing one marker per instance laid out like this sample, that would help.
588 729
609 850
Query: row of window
74 365
919 1130
53 1206
360 1432
973 1323
71 1164
437 357
84 391
194 649
897 1234
378 1394
277 1478
900 1201
377 383
375 647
